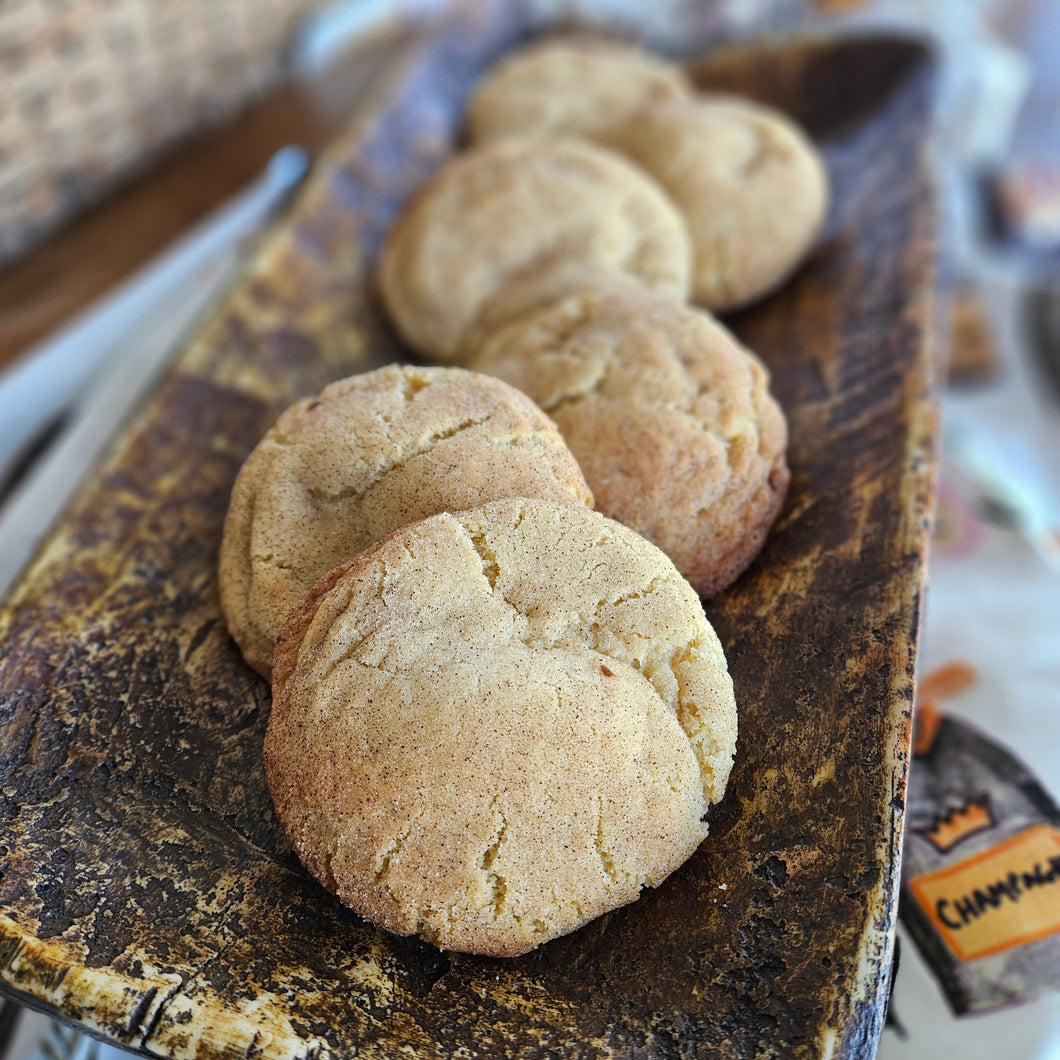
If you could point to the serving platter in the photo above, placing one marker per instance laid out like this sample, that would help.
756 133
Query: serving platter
146 891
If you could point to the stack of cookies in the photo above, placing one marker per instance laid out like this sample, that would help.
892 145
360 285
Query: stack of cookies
498 711
600 195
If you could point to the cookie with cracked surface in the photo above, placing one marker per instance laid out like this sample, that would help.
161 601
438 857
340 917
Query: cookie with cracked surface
579 87
501 213
492 727
670 418
751 186
371 453
536 289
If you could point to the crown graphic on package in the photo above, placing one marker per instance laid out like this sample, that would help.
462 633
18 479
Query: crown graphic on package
965 820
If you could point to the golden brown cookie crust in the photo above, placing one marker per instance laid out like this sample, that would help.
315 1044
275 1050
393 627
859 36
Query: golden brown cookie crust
536 289
371 453
669 417
752 188
496 214
570 88
491 727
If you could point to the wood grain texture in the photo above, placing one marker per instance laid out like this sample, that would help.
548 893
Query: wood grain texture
146 890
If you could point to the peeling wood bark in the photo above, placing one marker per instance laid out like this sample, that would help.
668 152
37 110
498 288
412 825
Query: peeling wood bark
146 891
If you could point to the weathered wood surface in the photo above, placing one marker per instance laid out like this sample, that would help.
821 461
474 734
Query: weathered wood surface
145 889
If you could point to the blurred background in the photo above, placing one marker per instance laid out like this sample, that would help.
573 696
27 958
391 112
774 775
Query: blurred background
142 143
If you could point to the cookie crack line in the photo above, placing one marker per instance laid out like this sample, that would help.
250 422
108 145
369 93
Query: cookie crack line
498 883
424 445
725 441
393 851
490 567
589 387
767 147
607 861
491 570
269 559
350 656
411 385
638 593
563 403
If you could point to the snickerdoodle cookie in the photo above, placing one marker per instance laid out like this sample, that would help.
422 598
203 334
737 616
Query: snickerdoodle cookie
501 213
752 188
670 418
493 726
578 87
536 289
371 453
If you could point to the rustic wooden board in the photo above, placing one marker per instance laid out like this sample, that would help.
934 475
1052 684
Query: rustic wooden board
145 890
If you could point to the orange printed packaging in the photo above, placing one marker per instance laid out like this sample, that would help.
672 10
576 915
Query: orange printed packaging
981 867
